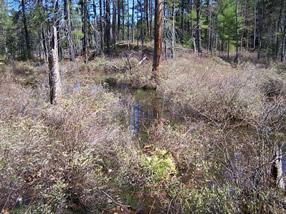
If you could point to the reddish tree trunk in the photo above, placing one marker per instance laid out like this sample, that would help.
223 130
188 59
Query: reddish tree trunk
157 35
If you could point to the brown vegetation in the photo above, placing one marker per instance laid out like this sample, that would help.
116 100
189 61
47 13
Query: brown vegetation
213 156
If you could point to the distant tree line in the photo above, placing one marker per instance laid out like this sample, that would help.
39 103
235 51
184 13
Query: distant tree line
90 27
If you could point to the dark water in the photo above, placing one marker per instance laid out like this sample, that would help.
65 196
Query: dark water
144 106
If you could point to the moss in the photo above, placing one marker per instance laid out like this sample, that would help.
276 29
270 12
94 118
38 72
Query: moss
160 164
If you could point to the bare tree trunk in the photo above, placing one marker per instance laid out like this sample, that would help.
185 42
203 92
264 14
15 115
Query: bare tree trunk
157 36
57 24
237 33
282 57
198 33
142 26
107 27
208 23
173 29
133 8
255 25
27 35
119 18
96 37
128 23
45 49
54 75
101 26
182 19
123 19
68 29
113 22
277 172
85 31
150 20
146 10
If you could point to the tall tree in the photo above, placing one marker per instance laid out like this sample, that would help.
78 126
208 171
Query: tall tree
26 31
107 26
67 15
54 75
157 36
85 30
198 30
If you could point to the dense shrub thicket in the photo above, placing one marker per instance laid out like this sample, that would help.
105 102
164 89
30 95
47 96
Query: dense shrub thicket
79 156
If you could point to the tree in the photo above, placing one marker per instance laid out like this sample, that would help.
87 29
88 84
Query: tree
157 35
107 26
84 30
229 23
27 34
67 16
54 75
198 30
5 24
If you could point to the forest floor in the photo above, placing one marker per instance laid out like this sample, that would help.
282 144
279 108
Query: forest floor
205 147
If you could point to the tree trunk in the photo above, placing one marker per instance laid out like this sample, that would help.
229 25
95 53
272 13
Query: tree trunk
123 20
208 23
276 171
237 33
142 26
57 24
157 36
96 46
255 25
27 35
54 75
198 33
44 42
119 18
101 26
69 29
150 18
173 29
107 27
146 9
182 20
84 31
132 30
113 22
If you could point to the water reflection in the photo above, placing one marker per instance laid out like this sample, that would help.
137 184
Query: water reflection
76 86
143 106
96 88
135 116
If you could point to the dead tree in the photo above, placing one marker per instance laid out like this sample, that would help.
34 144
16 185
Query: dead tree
276 171
54 75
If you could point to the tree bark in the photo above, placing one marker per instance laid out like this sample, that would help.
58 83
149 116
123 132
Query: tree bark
84 31
276 171
101 26
133 8
157 36
198 33
107 27
69 29
44 43
54 75
27 35
173 28
114 22
118 18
